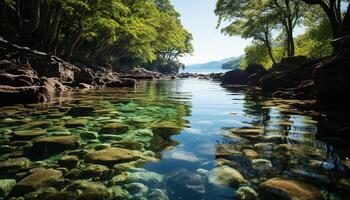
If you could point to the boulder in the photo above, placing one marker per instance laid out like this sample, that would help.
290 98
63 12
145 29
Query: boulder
225 176
287 189
94 170
14 164
112 155
45 146
235 77
81 111
36 181
29 134
69 161
84 75
246 193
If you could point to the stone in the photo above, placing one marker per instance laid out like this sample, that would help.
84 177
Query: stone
85 76
287 189
158 194
29 134
44 146
57 195
225 176
133 145
6 186
137 190
250 153
234 77
94 170
122 83
119 193
165 129
74 123
261 164
114 128
69 161
36 181
112 155
246 193
80 111
89 190
37 124
89 135
265 146
14 164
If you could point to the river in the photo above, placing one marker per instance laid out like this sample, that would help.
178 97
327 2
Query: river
179 139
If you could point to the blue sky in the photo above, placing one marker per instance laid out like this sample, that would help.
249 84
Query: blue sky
198 17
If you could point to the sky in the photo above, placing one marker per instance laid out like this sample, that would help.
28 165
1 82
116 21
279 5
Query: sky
198 17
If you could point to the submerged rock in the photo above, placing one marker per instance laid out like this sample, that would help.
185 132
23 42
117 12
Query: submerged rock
112 155
74 123
114 128
29 134
69 161
6 186
54 144
95 170
80 111
36 181
246 193
225 176
261 164
250 153
14 164
89 190
286 189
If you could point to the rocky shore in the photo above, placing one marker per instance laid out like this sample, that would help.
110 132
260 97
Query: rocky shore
325 79
30 76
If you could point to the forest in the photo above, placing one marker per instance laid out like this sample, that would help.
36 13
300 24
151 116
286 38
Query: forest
284 28
121 33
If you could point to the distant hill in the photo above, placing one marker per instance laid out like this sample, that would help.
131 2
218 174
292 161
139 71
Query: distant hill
227 63
234 63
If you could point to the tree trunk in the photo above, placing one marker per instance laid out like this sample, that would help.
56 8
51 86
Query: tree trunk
53 31
269 49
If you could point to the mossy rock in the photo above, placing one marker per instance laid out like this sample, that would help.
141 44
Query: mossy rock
74 123
29 134
114 128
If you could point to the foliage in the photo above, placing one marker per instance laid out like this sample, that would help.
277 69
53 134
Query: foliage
118 32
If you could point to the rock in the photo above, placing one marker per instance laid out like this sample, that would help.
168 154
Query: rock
265 146
250 153
85 76
14 164
89 135
261 164
94 170
57 195
74 123
281 188
225 176
347 164
54 144
235 77
112 155
114 128
85 86
246 193
119 193
29 134
185 184
133 145
37 124
80 111
6 186
165 129
158 194
68 161
137 190
332 79
36 181
89 190
122 83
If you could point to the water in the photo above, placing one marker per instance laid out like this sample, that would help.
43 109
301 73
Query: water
203 70
180 139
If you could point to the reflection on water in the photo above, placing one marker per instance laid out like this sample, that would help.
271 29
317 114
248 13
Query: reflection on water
180 139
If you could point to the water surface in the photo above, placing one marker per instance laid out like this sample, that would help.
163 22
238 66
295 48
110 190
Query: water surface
180 133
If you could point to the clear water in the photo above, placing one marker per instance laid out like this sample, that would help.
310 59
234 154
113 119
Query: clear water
186 129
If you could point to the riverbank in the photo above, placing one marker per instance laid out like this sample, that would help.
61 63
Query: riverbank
30 76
